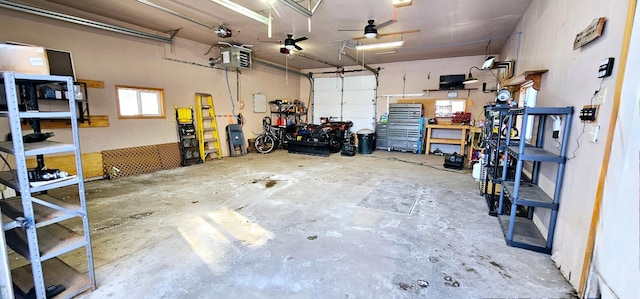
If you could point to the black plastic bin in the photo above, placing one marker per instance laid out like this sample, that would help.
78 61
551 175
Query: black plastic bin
365 141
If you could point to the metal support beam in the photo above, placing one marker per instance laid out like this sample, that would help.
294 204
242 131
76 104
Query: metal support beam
278 67
175 13
317 59
375 71
81 21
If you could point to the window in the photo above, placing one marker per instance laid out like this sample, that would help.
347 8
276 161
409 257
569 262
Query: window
140 102
445 108
528 98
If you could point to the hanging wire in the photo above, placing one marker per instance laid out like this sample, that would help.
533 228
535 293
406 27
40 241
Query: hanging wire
233 106
584 125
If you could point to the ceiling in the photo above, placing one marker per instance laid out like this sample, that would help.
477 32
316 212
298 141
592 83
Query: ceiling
447 28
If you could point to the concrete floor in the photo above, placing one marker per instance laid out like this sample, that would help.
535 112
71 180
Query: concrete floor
293 226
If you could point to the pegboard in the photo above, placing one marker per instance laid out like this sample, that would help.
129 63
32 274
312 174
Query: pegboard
141 159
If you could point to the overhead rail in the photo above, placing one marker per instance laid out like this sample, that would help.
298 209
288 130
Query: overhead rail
81 21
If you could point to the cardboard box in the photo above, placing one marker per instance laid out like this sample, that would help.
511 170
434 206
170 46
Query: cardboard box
23 59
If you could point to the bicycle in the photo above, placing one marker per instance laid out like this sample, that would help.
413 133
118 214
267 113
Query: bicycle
272 137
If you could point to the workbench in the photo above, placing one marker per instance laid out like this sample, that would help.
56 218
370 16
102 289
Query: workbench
447 134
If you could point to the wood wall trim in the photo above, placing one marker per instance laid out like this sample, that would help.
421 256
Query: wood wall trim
95 121
92 83
535 76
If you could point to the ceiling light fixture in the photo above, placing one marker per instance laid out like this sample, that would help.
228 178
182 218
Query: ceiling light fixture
244 11
380 45
471 79
401 3
370 30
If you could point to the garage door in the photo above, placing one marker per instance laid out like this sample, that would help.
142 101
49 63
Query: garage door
346 98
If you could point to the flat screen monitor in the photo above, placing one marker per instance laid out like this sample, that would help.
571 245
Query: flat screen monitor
452 81
60 63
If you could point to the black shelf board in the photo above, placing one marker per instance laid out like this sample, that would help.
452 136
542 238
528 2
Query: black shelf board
542 110
532 153
496 176
525 234
530 195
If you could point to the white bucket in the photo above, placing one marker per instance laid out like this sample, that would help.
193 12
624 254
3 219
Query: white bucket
476 170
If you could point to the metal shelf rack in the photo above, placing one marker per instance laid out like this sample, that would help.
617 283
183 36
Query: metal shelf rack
522 232
34 229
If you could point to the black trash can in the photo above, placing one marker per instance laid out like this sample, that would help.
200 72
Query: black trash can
365 141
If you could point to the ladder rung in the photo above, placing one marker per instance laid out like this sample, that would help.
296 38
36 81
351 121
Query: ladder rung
206 106
207 118
208 129
209 151
210 140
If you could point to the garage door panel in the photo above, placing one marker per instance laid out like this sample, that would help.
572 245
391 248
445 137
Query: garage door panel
355 103
327 97
360 83
327 84
359 97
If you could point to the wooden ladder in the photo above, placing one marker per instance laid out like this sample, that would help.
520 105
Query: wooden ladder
208 139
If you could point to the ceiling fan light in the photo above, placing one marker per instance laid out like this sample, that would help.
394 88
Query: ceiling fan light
289 47
370 30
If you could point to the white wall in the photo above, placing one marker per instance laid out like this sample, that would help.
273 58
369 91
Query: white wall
548 31
119 59
617 252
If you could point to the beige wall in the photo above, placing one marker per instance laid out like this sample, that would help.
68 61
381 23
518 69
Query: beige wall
119 59
548 31
412 77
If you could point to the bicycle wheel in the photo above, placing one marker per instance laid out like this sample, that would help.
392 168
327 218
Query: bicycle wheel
265 143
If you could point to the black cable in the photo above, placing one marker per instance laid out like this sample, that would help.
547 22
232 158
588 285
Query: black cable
584 124
577 142
415 163
597 91
6 163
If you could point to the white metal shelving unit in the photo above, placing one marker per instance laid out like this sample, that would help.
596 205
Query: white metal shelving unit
34 230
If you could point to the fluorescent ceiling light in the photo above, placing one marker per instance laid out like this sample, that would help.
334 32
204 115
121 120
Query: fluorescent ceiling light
401 3
380 45
243 11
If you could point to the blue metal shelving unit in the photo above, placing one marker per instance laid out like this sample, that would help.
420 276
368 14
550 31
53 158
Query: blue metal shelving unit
521 231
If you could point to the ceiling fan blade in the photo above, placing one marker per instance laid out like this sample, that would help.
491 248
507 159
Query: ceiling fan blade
300 39
387 23
297 47
389 34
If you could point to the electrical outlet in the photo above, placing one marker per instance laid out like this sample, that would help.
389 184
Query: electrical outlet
602 96
589 113
594 131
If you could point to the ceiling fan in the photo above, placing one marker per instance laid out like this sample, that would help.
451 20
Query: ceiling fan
371 30
290 42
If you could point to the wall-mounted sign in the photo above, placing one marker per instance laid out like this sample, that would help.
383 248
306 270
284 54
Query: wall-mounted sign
589 34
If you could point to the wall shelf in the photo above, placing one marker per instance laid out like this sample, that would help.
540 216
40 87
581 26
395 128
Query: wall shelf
524 77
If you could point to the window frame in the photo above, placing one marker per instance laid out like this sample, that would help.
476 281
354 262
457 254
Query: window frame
138 90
